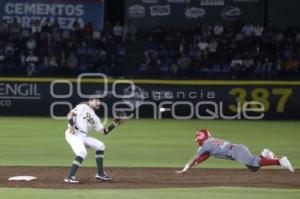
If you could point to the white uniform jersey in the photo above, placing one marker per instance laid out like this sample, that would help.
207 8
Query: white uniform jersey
86 119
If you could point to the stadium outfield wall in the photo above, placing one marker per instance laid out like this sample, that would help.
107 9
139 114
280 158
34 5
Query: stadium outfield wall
182 99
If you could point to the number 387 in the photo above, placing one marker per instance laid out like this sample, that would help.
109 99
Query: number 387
261 95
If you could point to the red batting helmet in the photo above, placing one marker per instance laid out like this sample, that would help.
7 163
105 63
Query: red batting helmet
202 135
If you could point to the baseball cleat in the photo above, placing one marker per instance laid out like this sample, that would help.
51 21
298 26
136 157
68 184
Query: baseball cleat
285 163
266 153
71 180
103 177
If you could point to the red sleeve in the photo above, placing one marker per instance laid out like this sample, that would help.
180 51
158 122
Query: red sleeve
202 158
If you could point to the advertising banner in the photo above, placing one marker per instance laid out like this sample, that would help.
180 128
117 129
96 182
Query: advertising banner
66 12
146 13
179 99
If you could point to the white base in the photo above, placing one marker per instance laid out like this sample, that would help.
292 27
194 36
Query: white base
22 178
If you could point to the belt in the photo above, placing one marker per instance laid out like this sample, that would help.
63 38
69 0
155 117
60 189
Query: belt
79 130
231 146
229 156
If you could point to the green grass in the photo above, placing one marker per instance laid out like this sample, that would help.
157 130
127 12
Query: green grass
145 143
207 193
154 143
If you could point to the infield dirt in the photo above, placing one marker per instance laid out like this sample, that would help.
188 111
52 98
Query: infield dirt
138 178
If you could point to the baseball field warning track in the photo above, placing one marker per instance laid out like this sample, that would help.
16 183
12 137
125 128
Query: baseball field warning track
138 178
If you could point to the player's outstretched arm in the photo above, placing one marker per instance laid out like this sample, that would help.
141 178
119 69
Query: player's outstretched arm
120 118
188 165
195 160
109 128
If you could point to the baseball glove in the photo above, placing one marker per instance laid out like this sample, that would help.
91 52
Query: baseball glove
120 118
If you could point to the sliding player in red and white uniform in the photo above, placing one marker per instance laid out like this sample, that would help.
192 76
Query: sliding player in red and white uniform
218 148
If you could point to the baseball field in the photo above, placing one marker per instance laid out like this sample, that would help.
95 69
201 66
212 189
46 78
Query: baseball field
142 156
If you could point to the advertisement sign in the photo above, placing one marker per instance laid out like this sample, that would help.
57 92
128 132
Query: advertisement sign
160 10
181 99
146 13
66 12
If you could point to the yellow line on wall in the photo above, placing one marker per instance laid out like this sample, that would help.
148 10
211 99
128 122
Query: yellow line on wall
154 81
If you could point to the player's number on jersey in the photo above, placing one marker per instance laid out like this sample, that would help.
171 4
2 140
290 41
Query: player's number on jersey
261 95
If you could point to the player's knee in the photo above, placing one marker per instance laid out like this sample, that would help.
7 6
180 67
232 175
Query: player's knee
101 147
252 168
83 154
